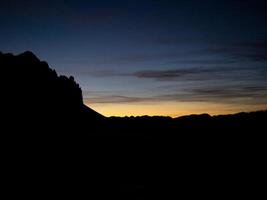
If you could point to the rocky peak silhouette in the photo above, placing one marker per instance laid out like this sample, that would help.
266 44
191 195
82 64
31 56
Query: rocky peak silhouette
32 88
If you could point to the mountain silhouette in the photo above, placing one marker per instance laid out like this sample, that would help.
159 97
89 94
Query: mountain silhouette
35 94
40 85
48 148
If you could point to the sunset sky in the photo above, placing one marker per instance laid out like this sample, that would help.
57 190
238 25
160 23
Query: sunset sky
149 57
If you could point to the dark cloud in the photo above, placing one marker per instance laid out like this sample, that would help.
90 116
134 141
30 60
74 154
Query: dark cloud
116 99
217 96
235 52
106 73
205 61
174 55
200 74
235 94
141 57
249 51
161 75
164 75
165 56
221 93
230 94
228 54
193 74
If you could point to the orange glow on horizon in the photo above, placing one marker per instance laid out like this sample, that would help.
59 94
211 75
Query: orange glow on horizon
172 109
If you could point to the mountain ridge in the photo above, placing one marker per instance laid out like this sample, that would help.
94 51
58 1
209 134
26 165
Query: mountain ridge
48 141
34 94
37 83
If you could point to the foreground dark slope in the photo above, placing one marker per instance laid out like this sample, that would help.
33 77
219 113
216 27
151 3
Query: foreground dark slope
45 129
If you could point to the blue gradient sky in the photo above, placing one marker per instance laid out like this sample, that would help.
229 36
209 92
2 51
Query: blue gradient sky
149 57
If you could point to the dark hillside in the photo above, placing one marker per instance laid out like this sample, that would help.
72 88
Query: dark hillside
48 146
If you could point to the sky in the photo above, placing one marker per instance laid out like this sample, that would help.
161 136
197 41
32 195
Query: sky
149 57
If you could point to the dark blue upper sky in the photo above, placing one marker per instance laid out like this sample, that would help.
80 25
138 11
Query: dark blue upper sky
180 56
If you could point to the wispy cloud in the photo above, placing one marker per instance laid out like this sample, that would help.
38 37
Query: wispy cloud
218 94
232 52
236 94
197 73
191 74
216 54
144 57
177 58
116 99
164 75
204 74
249 51
106 73
204 61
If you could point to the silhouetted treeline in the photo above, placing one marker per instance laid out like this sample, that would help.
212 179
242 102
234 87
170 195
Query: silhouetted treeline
48 147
